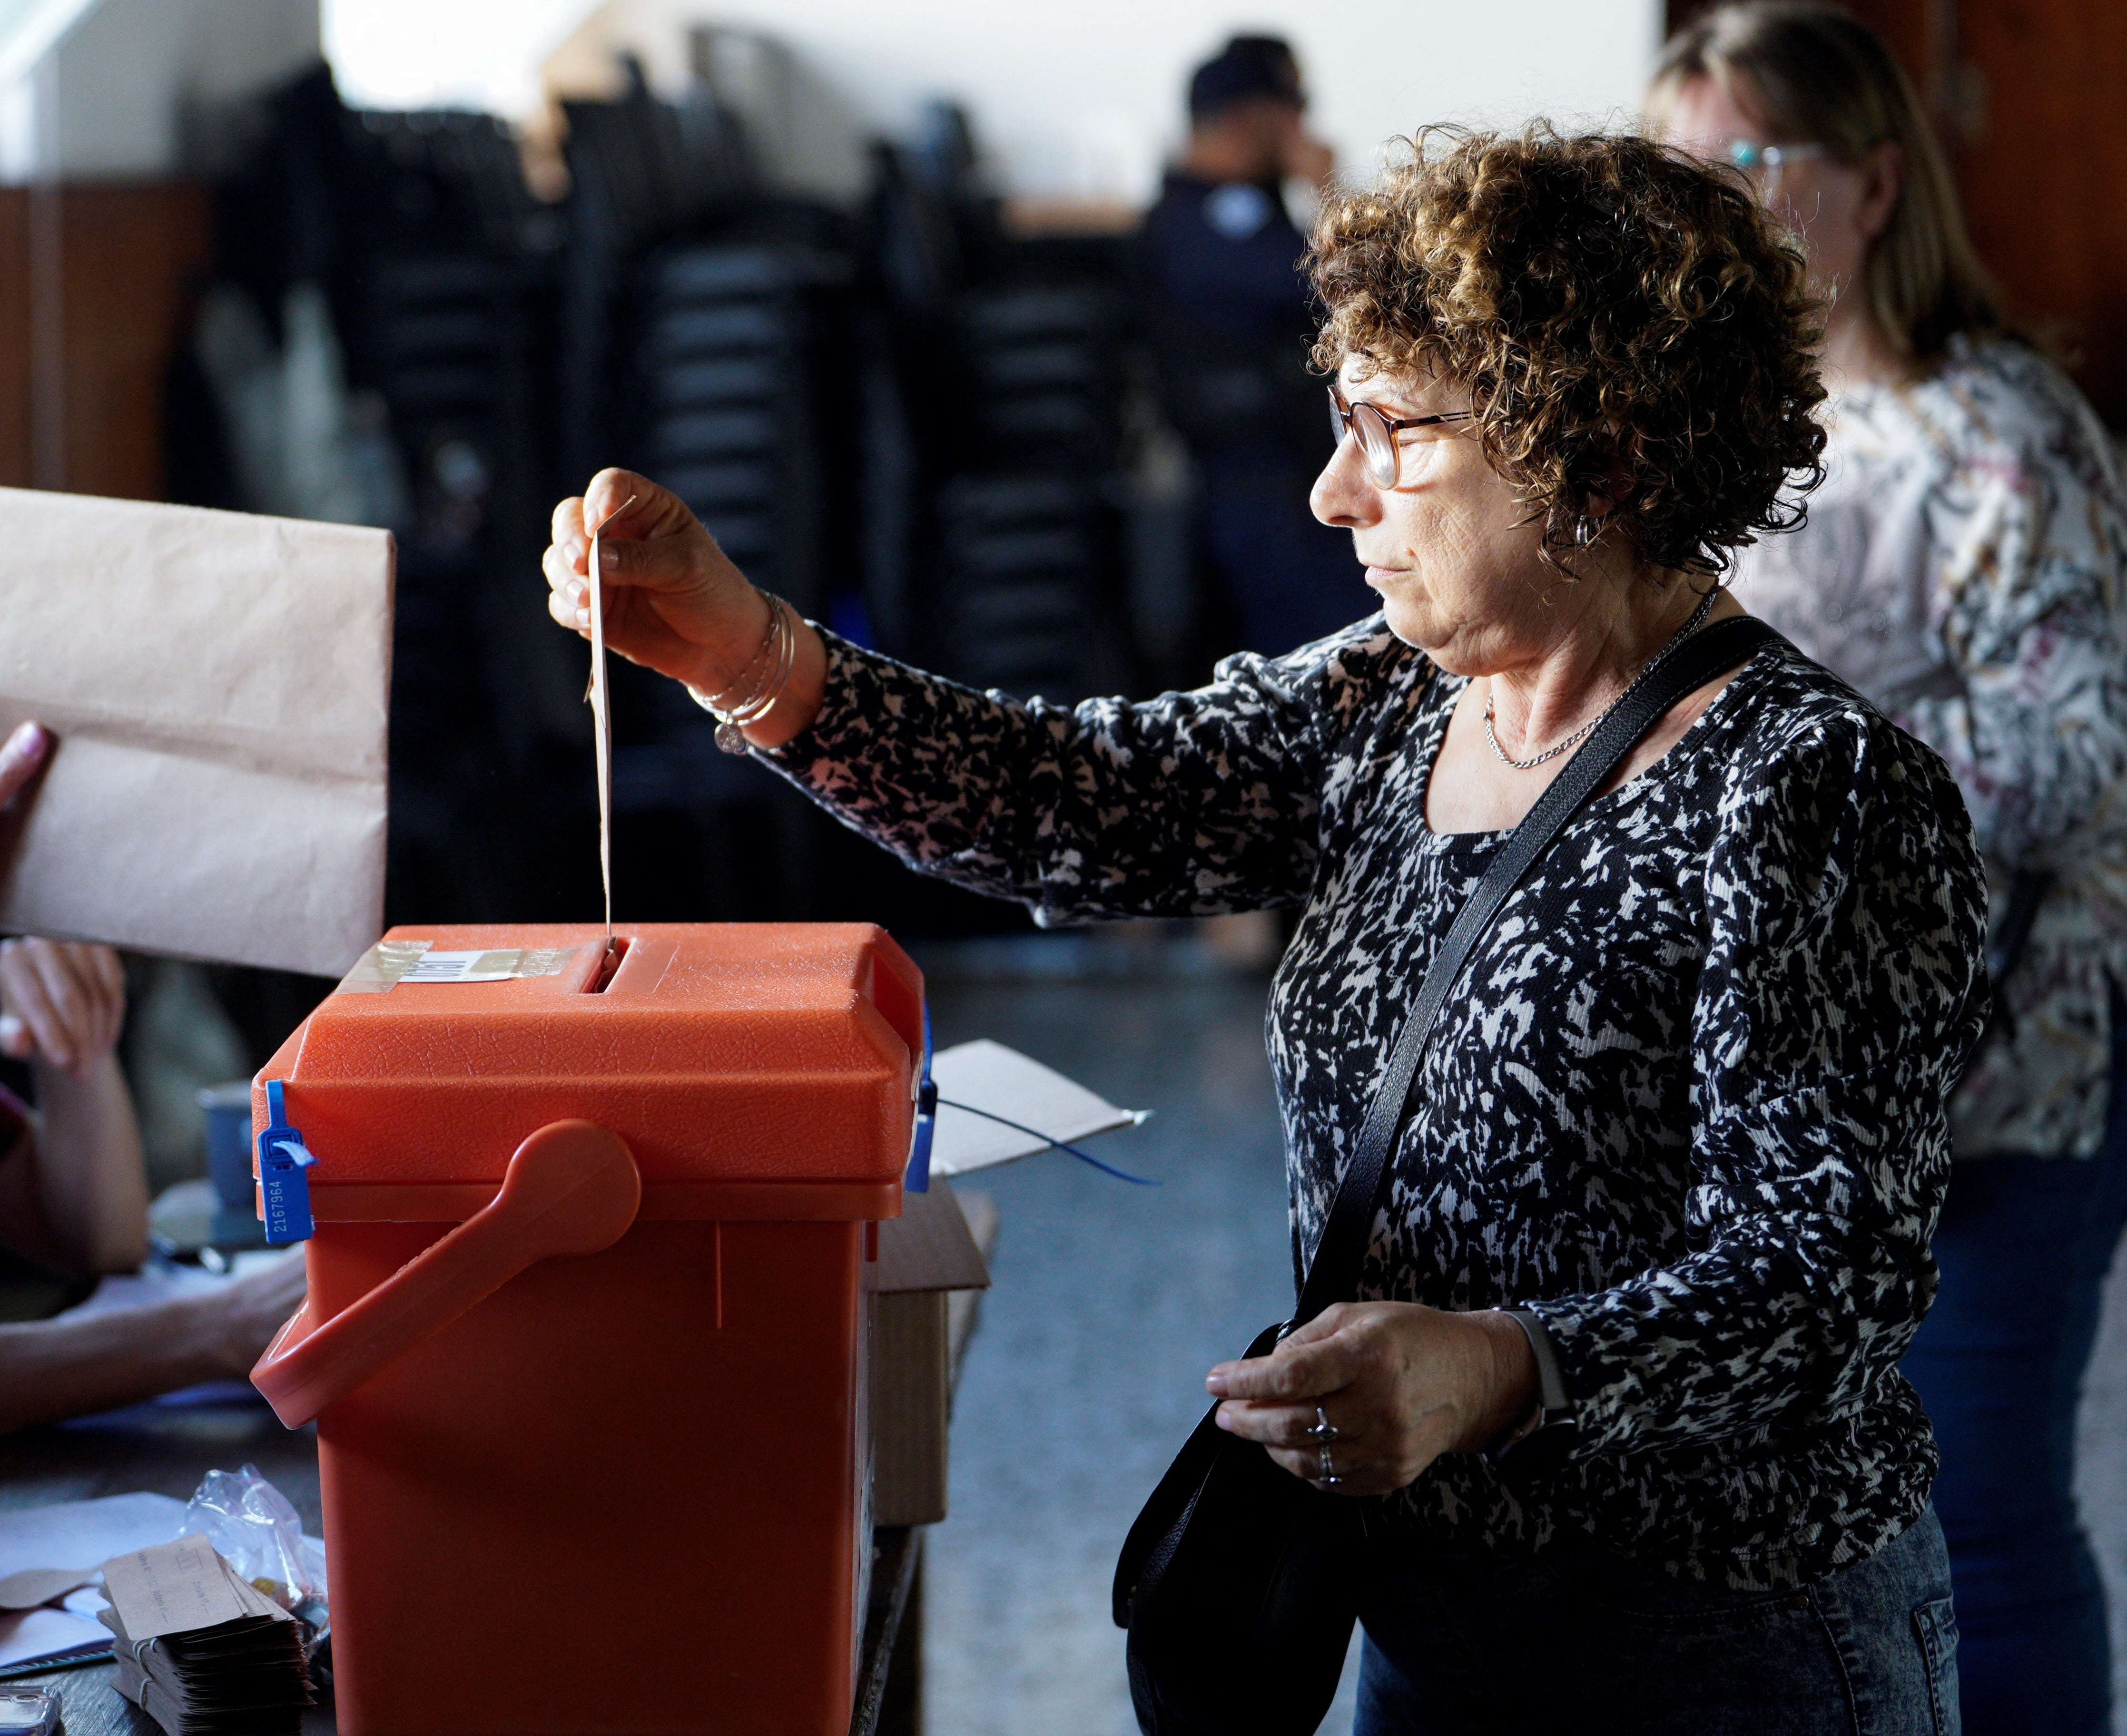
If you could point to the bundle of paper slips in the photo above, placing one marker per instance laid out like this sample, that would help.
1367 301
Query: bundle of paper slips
243 1676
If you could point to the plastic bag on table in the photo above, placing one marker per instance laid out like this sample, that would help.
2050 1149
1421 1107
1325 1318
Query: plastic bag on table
255 1530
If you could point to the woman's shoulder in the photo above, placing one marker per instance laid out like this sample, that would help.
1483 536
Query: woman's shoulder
1819 791
1999 403
1787 718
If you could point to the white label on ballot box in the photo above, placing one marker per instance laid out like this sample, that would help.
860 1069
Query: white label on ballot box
390 963
497 966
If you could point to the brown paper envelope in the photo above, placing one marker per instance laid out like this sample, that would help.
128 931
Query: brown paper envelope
218 684
35 1586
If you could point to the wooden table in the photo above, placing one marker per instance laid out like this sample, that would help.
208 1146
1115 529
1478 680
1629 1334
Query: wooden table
167 1450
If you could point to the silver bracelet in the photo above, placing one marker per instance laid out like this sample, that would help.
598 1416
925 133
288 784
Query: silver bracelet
767 639
780 644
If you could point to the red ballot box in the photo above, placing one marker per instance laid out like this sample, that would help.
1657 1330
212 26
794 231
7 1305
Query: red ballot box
593 1442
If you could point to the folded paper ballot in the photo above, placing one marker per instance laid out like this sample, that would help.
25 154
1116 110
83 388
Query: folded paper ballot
33 1587
217 684
200 1649
980 1081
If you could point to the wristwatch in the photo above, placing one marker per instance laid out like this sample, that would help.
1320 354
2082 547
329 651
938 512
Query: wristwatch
1550 1423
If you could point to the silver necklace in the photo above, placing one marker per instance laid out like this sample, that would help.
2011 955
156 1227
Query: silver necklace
1587 729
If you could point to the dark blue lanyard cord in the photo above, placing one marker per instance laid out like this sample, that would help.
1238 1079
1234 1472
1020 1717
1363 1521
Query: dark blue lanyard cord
1049 1143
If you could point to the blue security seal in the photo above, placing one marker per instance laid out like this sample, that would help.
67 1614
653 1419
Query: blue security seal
283 1186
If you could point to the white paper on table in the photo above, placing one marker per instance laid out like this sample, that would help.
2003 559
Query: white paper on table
74 1534
85 1533
990 1076
166 1281
47 1633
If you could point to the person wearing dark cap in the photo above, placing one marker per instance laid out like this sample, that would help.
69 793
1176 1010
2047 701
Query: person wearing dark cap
1231 319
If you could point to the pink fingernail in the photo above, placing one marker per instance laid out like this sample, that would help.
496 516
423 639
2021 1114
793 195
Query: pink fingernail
26 736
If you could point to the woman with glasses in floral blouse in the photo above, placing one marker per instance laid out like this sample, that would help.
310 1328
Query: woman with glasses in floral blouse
1962 566
1621 1395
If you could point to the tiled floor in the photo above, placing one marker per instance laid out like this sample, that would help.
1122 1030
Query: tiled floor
1109 1302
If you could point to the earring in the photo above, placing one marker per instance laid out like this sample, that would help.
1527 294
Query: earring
1585 530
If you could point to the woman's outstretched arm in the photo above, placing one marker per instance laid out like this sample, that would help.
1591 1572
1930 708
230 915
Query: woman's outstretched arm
1191 804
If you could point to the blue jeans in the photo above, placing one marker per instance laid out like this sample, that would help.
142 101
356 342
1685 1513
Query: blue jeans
2024 1245
1571 1640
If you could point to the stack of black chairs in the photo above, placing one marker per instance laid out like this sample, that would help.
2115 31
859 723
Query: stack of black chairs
1014 350
447 294
707 333
1028 534
438 264
905 422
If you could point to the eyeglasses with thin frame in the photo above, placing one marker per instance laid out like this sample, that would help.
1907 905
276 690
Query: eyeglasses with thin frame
1764 163
1376 431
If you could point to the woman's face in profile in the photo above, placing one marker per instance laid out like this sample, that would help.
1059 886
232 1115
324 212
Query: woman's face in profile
1457 570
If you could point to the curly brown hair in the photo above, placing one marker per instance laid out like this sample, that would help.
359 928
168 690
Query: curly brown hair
1631 327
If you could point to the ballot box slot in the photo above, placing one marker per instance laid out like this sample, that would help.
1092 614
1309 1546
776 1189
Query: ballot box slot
609 966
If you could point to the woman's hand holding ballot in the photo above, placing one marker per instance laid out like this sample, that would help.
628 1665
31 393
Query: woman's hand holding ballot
672 602
20 756
74 1196
61 1003
1367 1395
79 1198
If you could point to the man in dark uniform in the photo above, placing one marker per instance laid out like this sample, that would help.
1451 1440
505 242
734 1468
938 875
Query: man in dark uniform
1231 319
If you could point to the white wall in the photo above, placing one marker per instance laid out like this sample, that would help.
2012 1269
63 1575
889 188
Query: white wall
98 89
1070 97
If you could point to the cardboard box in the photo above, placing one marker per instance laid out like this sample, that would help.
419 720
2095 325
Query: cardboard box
925 1256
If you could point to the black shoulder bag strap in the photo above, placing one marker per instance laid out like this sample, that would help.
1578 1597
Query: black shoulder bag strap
1333 1275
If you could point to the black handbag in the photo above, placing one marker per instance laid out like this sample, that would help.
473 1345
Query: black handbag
1238 1582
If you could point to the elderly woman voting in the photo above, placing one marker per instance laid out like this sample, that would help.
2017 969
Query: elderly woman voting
1617 1395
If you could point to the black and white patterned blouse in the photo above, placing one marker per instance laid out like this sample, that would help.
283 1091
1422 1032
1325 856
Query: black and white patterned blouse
1688 1106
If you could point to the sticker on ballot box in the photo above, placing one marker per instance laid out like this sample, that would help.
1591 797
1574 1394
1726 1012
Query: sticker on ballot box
499 965
389 962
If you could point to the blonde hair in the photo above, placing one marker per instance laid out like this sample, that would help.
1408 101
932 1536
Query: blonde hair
1816 73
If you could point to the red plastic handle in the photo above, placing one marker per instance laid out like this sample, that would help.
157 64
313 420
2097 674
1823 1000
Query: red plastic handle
572 1188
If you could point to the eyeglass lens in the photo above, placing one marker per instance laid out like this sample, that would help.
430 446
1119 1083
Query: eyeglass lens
1378 440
